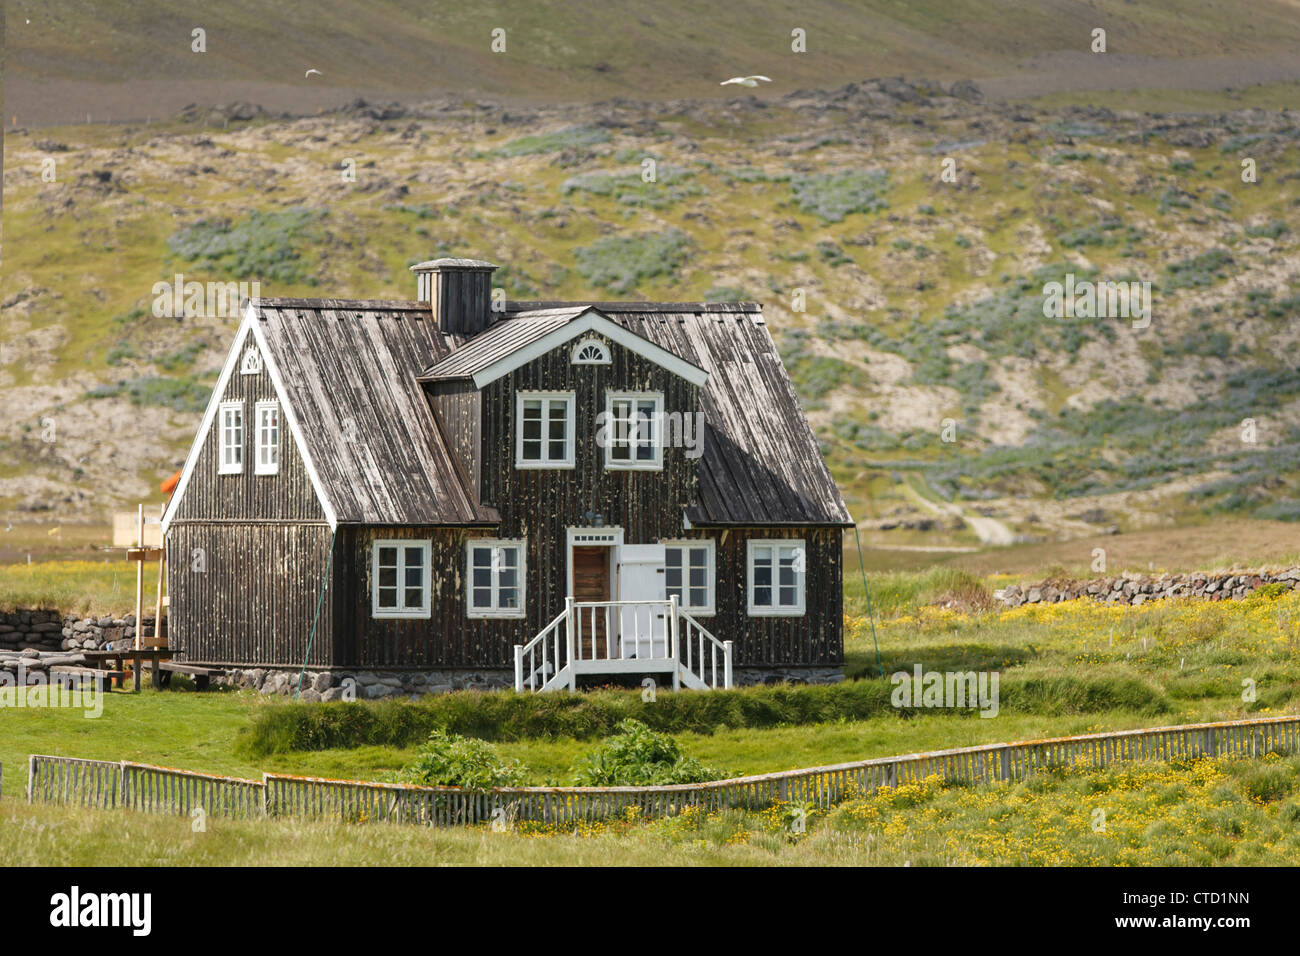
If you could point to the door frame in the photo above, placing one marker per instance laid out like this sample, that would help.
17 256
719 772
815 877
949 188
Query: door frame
611 537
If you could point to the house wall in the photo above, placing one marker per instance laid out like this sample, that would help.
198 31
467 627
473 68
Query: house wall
457 407
246 552
287 496
540 505
446 639
246 593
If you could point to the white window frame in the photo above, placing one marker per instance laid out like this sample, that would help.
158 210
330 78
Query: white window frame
521 578
584 344
402 611
711 574
251 363
801 578
569 427
224 443
259 446
656 463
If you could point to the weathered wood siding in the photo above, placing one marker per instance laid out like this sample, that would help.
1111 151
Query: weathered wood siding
457 405
542 503
448 638
254 601
814 638
287 495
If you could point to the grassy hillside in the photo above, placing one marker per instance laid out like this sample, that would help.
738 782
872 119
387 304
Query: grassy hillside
898 300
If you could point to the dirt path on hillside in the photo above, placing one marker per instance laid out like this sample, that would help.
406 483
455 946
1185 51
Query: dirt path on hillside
990 531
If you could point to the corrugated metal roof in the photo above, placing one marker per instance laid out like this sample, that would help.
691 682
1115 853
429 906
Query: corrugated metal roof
761 462
501 339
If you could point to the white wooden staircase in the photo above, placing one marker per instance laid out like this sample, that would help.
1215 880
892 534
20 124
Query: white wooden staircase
622 637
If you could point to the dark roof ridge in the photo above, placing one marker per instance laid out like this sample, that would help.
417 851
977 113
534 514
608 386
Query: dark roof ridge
511 305
530 305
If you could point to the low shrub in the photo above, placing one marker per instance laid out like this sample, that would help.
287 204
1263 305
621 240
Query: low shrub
637 756
450 760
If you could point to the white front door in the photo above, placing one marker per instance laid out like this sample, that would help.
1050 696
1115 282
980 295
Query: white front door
643 629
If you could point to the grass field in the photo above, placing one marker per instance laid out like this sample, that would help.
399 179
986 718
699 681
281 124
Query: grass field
1205 812
1064 669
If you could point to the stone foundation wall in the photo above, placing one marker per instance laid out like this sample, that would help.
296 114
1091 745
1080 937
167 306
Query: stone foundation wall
365 684
373 684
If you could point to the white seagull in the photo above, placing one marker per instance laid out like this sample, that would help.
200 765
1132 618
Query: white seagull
311 71
746 80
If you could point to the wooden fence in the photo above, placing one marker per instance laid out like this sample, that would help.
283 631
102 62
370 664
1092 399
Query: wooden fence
97 783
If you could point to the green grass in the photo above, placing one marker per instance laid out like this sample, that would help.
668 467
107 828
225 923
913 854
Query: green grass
1227 812
1064 669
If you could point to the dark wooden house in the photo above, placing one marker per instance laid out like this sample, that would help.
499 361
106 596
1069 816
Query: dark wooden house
419 495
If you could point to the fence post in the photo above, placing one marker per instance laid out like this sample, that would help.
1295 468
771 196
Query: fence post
31 778
121 780
726 663
519 668
1006 763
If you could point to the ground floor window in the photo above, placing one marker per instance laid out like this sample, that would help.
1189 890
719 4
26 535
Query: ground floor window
400 578
688 573
776 577
495 574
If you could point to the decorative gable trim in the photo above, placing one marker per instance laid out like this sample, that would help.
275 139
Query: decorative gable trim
248 328
591 321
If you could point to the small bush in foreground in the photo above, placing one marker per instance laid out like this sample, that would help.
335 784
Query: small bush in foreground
639 757
450 760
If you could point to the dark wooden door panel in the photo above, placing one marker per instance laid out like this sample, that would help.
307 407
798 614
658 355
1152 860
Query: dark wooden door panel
591 583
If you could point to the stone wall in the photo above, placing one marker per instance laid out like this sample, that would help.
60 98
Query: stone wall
44 629
366 684
1138 589
372 684
41 638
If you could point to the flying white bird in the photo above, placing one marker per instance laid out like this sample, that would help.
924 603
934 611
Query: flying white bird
310 72
746 80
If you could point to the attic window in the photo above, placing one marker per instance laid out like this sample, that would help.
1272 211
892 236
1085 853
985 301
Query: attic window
252 362
590 352
268 439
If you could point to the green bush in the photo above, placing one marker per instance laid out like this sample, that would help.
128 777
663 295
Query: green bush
1199 271
178 394
832 196
507 716
553 142
619 263
450 760
1268 783
263 246
637 756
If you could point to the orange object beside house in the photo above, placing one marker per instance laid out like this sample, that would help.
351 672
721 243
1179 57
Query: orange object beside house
169 485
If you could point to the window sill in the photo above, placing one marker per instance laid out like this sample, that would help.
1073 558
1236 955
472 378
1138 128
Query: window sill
401 615
615 466
545 466
777 612
495 615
